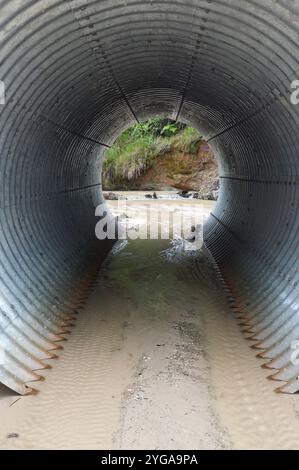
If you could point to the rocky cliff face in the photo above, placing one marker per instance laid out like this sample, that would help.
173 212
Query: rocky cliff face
177 170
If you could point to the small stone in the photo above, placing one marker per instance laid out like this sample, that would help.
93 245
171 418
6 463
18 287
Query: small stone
12 435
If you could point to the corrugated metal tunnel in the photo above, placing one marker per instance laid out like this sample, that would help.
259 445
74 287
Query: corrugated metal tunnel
76 73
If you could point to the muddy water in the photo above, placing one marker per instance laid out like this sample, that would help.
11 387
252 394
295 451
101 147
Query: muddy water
156 360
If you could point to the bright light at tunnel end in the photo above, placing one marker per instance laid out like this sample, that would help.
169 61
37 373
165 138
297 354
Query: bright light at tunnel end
140 221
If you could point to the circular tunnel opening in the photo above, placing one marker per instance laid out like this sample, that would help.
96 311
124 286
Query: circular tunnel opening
164 162
161 155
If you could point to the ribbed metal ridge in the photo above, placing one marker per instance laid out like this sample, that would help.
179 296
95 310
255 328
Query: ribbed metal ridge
78 72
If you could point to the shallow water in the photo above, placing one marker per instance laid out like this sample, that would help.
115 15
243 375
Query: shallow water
140 195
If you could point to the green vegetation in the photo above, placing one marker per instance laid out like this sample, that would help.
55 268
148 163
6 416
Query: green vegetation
136 149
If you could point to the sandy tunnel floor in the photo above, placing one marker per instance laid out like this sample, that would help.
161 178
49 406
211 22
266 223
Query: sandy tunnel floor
156 360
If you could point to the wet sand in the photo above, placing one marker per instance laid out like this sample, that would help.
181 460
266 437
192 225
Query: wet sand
156 360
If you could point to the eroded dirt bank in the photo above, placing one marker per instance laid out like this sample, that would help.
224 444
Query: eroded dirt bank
178 169
155 360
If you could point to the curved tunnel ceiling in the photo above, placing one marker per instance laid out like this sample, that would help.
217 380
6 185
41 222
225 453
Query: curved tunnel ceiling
76 73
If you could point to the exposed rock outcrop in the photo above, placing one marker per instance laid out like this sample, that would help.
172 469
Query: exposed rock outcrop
185 172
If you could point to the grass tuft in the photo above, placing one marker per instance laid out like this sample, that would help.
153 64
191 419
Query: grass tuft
136 149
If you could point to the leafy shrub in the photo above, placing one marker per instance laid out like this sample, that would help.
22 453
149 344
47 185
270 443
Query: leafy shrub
136 149
169 130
